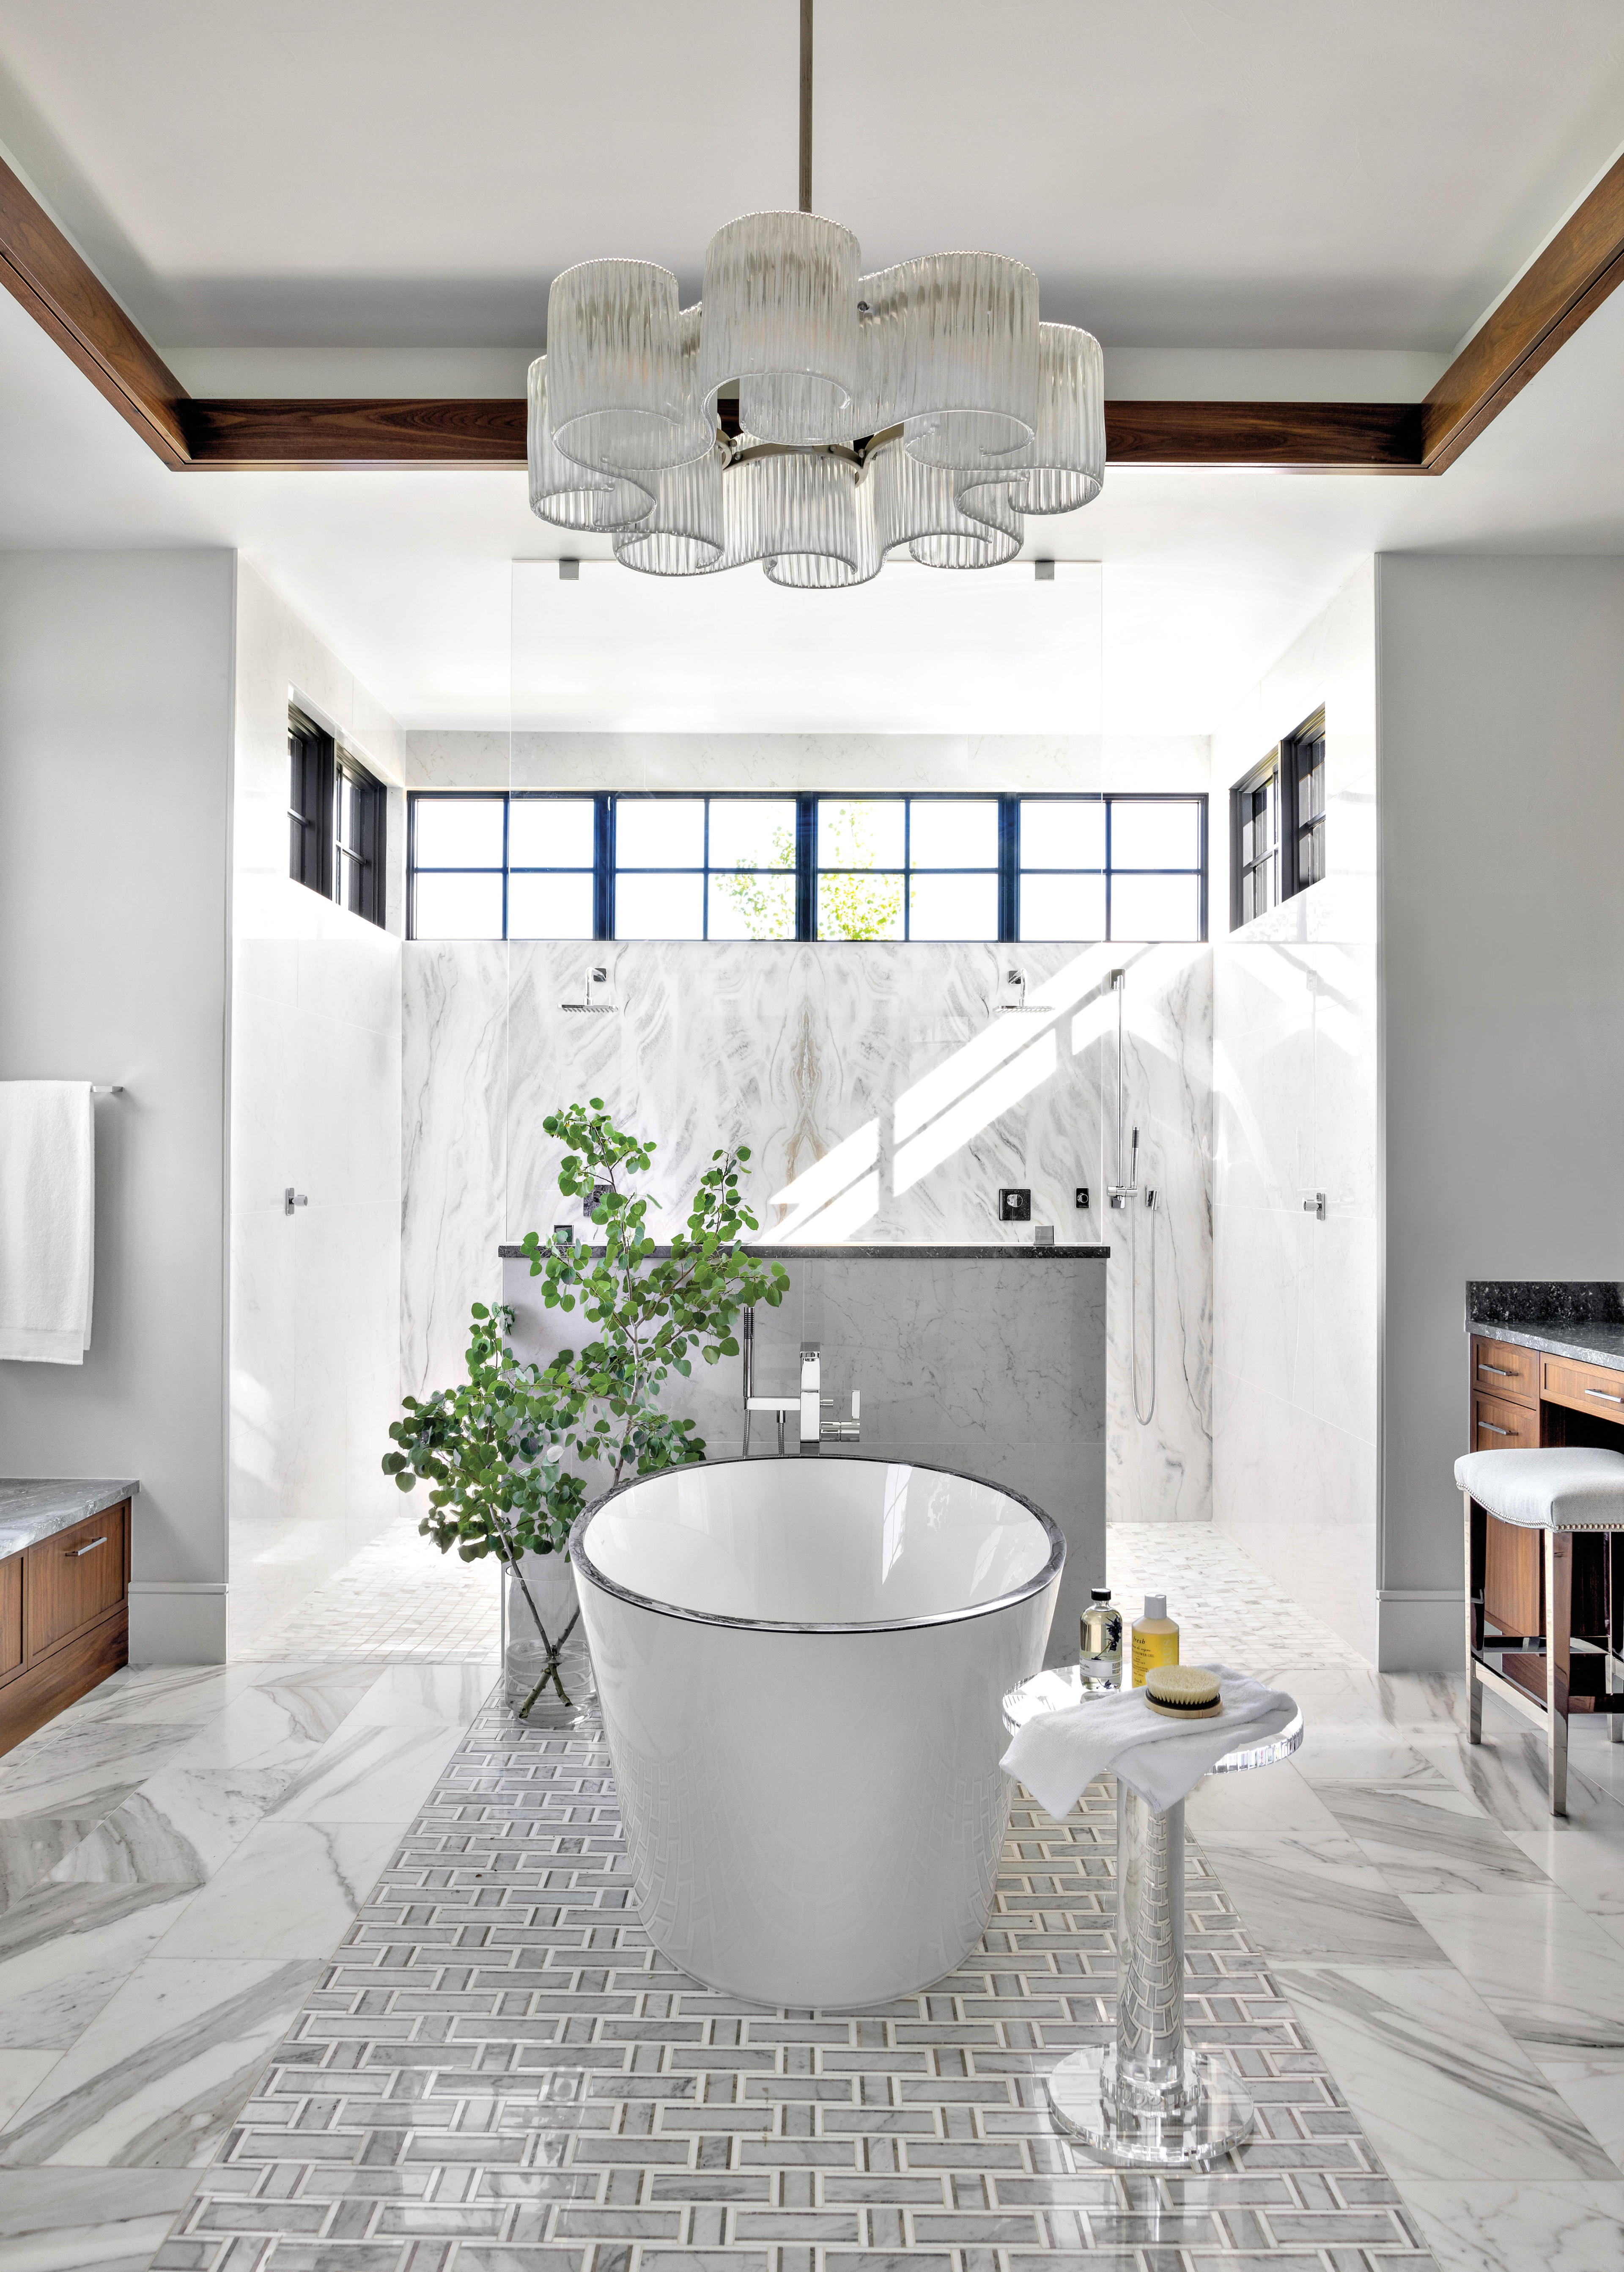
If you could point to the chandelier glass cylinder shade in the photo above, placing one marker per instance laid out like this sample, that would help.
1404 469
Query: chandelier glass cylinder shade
807 416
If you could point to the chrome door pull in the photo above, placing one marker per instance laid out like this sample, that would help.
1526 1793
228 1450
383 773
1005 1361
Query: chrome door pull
75 1551
1602 1397
1499 1371
1489 1429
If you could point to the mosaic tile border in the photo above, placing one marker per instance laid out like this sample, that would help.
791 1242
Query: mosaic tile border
499 2074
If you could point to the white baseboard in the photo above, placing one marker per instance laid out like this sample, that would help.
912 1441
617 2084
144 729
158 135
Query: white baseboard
177 1621
1420 1629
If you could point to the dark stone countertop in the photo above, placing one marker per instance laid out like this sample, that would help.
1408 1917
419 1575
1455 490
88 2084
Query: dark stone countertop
33 1507
997 1252
1582 1318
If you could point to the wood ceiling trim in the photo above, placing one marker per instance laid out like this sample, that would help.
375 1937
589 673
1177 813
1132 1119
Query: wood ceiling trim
66 298
263 434
1308 437
1583 264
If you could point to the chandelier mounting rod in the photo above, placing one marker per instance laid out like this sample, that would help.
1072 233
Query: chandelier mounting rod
806 106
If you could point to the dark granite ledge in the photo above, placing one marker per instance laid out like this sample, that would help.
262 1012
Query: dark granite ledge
1575 1318
998 1252
1532 1302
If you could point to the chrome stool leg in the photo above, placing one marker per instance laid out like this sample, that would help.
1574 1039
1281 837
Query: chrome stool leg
1558 1623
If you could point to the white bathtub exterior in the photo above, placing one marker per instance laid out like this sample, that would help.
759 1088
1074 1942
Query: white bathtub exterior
815 1815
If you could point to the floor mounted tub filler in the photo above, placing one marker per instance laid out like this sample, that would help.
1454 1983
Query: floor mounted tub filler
801 1666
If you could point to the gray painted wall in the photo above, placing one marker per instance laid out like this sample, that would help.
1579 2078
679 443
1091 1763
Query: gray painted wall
1501 763
115 739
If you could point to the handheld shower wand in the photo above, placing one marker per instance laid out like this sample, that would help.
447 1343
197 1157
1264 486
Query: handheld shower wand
1119 1195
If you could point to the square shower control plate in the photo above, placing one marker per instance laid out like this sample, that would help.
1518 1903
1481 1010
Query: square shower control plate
1014 1206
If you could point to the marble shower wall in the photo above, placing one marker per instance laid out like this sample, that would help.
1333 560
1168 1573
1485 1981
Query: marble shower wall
1295 1406
314 1297
884 1099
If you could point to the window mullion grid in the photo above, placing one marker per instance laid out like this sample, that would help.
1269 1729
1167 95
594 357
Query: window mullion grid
603 911
1008 868
806 868
705 874
907 867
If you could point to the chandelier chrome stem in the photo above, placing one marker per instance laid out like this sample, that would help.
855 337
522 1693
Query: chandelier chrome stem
806 106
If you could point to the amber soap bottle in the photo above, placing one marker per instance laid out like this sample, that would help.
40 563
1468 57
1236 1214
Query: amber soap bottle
1155 1639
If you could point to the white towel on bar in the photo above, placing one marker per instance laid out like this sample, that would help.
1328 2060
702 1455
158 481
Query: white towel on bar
47 1219
1058 1754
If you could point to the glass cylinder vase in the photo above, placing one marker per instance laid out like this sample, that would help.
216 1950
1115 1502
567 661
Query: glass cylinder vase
547 1666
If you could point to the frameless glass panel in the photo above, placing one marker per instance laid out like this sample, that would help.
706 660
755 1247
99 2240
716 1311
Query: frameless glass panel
860 833
659 907
660 832
550 907
953 833
1062 906
1154 835
860 906
552 832
457 831
953 906
1155 907
1063 832
457 906
752 903
753 832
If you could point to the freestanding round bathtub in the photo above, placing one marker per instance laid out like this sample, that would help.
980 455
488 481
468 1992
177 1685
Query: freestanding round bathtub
801 1664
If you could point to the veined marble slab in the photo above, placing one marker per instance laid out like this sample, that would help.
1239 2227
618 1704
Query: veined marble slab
33 1507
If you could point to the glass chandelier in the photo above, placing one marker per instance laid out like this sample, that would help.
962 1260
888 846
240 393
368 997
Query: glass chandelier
804 415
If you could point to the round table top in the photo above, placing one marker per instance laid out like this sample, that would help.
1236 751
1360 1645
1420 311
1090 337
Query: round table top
1060 1688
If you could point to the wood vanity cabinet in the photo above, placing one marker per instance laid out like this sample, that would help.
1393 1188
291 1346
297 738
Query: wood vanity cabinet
64 1619
1505 1417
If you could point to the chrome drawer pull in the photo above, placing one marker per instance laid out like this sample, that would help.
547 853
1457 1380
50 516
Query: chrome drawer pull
1499 1371
1602 1397
73 1552
1489 1429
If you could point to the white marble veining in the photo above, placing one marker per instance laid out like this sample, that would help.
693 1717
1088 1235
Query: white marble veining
1294 1404
883 1098
315 1323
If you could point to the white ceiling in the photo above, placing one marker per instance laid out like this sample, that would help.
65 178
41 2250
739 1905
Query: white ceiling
1240 173
401 180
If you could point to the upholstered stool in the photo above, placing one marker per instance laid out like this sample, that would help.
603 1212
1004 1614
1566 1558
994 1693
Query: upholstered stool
1557 1492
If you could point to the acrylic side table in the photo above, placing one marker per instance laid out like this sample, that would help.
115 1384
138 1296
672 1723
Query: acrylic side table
1145 2102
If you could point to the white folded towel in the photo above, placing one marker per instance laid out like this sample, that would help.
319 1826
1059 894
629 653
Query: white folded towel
47 1219
1057 1754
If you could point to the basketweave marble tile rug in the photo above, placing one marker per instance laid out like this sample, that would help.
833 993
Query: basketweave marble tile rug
499 2074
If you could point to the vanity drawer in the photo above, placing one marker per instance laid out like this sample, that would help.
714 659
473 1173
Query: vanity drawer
1500 1427
1596 1388
73 1577
1501 1369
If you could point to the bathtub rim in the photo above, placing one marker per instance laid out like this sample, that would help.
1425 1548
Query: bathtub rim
582 1561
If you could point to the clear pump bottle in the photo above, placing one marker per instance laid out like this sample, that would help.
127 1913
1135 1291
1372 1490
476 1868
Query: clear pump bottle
1101 1660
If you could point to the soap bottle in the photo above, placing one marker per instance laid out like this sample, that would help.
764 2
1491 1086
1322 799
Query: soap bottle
1155 1639
1101 1662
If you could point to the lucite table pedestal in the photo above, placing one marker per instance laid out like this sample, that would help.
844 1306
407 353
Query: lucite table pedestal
1146 2102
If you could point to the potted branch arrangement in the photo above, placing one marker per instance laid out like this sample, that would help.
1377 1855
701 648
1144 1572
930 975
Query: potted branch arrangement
509 1454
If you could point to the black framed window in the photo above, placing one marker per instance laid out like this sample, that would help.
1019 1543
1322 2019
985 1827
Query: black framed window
337 817
1255 834
1302 763
1277 824
761 866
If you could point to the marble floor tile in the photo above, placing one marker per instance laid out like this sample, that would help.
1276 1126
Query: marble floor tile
21 2073
368 1775
1428 1838
86 2220
1315 1896
291 1889
1237 1806
425 1695
1506 1775
1584 1857
1593 2085
280 1720
398 1600
1434 2078
177 1829
66 1950
83 1769
156 1695
1549 1974
159 2075
1488 2227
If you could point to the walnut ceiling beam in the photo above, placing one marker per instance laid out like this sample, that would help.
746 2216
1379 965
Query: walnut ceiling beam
1556 294
1571 278
66 298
